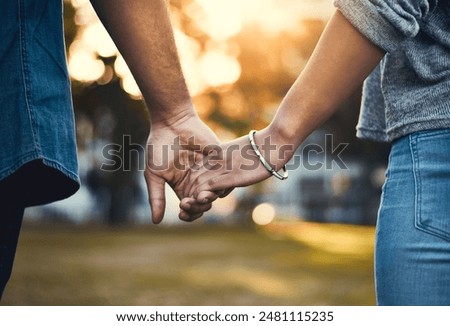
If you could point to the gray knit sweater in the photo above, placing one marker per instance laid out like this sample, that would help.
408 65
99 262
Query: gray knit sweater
410 89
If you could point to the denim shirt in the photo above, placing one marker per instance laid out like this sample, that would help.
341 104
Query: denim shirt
36 121
409 91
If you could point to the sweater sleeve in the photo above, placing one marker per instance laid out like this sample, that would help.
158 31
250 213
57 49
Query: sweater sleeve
387 23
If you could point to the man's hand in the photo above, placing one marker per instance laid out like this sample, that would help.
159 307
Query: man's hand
174 148
143 34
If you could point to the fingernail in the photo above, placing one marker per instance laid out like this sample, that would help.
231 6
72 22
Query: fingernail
205 201
187 207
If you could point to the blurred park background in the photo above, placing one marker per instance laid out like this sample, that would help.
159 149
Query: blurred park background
304 241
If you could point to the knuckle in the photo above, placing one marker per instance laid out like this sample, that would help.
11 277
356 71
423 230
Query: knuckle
212 182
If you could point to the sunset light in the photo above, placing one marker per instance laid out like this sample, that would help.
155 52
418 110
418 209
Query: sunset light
218 68
221 20
84 66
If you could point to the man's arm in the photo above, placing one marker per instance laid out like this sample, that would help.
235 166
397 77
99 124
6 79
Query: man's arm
142 32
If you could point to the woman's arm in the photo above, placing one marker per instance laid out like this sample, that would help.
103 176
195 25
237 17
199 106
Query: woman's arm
341 61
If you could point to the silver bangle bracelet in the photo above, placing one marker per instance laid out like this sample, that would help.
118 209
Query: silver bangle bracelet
251 137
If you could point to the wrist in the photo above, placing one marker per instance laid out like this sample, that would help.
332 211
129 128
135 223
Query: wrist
276 150
173 118
284 132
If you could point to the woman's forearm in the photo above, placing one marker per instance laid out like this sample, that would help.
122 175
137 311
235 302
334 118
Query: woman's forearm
341 61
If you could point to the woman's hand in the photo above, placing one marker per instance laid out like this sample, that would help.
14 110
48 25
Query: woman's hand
235 164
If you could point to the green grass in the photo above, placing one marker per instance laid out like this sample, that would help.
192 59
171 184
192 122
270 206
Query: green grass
283 264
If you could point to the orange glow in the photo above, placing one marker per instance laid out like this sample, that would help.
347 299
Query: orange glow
218 68
221 20
85 67
97 39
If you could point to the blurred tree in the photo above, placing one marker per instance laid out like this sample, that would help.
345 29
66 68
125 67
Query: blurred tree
113 117
118 120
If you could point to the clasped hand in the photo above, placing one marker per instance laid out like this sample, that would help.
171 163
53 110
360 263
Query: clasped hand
188 156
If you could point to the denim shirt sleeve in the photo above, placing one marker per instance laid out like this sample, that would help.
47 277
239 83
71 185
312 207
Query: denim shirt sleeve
387 23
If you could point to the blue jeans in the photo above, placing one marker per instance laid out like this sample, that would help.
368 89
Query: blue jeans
412 255
12 214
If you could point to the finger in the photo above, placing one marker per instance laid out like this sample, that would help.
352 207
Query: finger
207 196
192 207
216 185
204 197
226 192
184 216
186 203
201 176
202 183
157 197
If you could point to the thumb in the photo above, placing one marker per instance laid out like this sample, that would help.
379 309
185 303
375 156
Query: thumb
157 196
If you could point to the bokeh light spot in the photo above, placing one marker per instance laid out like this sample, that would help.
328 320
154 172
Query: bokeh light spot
85 66
263 214
219 69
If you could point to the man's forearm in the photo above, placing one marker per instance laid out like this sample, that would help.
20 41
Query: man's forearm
341 61
142 32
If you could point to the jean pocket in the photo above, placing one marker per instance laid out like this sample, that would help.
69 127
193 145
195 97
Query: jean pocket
431 164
